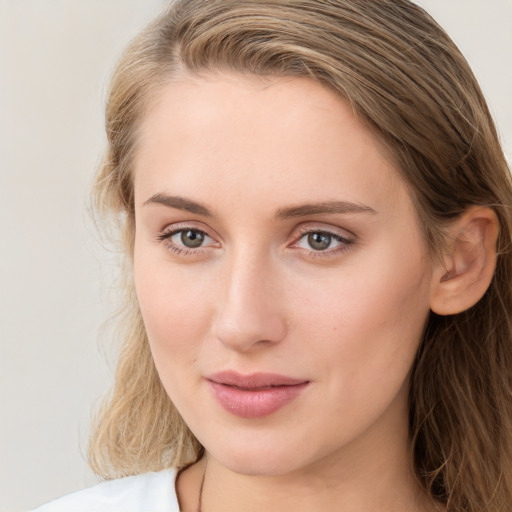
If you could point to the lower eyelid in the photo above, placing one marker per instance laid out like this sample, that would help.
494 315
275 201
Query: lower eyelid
344 244
167 235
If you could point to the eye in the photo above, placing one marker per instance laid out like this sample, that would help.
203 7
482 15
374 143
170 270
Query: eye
317 241
190 238
187 240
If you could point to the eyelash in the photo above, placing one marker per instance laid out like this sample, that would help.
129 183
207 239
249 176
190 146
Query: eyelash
165 238
345 243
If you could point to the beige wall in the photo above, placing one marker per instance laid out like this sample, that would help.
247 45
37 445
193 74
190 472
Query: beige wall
483 31
54 57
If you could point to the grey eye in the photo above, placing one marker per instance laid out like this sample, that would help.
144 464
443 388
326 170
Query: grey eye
188 240
191 238
319 241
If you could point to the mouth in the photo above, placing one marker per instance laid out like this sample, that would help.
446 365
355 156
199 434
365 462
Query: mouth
255 395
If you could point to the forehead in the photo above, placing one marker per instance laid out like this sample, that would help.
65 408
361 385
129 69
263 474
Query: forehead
289 139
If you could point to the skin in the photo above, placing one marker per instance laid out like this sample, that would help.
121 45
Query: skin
256 297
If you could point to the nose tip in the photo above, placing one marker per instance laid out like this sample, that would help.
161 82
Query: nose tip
244 334
251 311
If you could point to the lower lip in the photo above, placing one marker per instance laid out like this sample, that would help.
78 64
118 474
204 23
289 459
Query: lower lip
254 403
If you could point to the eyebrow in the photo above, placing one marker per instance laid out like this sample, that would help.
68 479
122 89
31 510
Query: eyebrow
182 203
322 208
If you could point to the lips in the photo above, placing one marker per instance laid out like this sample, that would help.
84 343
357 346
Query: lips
255 395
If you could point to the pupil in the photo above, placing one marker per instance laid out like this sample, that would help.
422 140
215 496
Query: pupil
319 241
191 238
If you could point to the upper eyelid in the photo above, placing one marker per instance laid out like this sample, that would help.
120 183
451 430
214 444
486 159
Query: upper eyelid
296 233
182 226
342 240
167 234
331 230
344 243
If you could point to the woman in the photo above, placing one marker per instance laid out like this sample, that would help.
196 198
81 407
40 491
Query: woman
315 210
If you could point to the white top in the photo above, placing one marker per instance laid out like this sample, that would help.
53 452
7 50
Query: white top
150 492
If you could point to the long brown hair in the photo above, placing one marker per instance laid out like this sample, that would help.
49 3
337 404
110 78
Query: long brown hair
408 81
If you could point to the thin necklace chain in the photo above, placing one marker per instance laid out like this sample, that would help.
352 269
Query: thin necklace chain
199 503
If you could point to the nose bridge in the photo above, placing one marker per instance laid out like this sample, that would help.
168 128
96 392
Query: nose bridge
250 310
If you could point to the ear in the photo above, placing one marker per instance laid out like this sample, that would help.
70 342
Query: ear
465 273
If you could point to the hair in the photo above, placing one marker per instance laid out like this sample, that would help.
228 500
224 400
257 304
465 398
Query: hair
407 80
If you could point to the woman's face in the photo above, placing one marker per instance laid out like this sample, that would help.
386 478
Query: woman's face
280 271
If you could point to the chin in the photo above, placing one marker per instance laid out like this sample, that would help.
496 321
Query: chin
260 459
259 467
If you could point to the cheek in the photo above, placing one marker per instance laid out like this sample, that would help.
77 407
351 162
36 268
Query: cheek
367 322
175 308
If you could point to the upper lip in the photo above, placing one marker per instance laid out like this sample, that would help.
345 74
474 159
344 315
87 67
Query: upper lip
253 380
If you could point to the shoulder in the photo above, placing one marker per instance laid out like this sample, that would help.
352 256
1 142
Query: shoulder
139 493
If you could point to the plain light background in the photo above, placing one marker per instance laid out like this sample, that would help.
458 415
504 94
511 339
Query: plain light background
55 58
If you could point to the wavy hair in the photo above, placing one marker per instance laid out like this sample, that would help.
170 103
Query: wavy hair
407 80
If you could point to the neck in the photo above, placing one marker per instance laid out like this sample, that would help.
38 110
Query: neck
385 485
381 489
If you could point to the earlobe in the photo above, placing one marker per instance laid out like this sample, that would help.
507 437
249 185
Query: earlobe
465 273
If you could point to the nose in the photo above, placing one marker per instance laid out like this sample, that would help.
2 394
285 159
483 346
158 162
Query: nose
250 311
